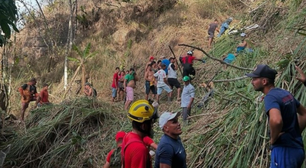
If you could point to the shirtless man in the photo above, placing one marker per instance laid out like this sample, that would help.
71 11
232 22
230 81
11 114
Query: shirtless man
150 82
28 93
150 61
88 90
129 85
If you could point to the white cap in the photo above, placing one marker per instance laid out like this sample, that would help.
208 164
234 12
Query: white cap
242 34
165 117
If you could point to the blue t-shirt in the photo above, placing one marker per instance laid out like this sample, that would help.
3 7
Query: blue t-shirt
287 104
167 63
171 152
230 58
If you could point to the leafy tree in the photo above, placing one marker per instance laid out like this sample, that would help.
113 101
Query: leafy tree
8 15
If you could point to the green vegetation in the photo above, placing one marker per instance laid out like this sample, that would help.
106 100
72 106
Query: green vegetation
230 131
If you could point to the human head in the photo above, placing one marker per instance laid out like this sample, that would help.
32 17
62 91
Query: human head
153 64
122 73
142 115
119 137
186 80
117 69
45 86
262 76
87 85
132 71
163 66
33 81
190 53
168 122
172 59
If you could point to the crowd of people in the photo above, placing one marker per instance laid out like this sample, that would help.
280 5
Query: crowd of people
286 115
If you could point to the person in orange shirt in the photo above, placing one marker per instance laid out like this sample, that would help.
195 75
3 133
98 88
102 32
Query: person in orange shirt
28 93
43 98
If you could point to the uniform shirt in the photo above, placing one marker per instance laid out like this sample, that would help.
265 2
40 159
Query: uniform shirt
287 105
171 152
166 62
115 80
171 72
136 154
187 94
188 59
161 75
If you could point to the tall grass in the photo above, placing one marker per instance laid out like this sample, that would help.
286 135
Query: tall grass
239 138
77 133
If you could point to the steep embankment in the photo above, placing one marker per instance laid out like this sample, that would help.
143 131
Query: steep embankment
127 33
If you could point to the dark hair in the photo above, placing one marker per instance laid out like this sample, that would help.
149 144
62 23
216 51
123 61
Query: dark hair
117 68
153 62
132 69
45 85
171 58
158 61
33 80
270 81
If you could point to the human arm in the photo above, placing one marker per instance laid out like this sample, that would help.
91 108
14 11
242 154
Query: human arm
108 157
106 165
301 117
149 142
192 92
302 76
275 123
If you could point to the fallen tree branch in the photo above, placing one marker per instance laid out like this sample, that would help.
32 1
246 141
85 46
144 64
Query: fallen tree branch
216 59
230 80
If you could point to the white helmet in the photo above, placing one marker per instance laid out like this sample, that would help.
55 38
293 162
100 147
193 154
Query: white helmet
189 53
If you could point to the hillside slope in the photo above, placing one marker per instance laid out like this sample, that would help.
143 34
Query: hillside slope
127 34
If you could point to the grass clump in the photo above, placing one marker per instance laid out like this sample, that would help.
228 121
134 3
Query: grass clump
76 133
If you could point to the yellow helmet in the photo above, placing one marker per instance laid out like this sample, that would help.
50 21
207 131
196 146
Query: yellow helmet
140 111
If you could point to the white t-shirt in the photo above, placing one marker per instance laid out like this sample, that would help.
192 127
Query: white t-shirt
171 72
161 75
187 94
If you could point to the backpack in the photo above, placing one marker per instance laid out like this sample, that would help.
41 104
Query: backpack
94 92
115 159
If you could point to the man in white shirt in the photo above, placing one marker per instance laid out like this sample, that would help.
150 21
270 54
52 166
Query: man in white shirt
187 99
172 77
162 83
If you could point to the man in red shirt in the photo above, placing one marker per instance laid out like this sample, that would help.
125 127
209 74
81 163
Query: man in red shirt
187 62
43 98
119 138
135 153
115 84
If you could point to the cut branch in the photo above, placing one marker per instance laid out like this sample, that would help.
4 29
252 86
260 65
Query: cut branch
216 59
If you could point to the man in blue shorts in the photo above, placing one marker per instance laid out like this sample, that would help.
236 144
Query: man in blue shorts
287 119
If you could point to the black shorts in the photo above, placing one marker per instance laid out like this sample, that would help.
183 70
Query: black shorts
152 88
174 82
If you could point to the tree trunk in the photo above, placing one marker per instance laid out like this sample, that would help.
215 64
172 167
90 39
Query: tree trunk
83 77
69 44
75 74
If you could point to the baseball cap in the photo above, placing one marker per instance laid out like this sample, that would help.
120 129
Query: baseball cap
166 116
119 135
264 71
151 58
